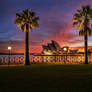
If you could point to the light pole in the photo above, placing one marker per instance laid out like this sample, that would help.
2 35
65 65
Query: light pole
65 50
9 49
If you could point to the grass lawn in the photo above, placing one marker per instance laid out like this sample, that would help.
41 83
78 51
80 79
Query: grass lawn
46 78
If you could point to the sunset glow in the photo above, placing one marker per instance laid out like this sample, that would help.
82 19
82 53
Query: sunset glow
55 24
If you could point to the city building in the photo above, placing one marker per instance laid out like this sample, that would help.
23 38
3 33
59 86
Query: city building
52 48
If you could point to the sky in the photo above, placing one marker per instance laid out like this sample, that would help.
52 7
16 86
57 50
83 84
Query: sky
55 24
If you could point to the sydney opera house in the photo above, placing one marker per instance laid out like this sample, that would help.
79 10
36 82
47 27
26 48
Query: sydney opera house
52 48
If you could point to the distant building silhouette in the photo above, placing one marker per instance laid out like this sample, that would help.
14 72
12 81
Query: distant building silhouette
51 48
54 48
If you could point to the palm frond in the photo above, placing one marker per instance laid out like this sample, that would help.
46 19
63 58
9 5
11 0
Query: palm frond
87 8
17 21
81 33
18 15
79 26
83 9
75 23
77 15
23 28
81 13
89 31
26 11
26 20
32 14
82 20
35 19
34 25
90 11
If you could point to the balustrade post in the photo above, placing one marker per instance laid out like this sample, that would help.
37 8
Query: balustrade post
3 60
14 60
19 60
42 59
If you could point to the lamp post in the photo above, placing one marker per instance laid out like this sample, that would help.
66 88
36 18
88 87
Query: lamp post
65 50
9 49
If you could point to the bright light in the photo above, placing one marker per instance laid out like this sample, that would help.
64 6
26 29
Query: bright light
48 52
9 48
65 49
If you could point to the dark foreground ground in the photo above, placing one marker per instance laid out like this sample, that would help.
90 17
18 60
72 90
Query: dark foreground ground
46 78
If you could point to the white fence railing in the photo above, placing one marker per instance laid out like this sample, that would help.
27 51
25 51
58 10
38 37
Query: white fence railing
19 59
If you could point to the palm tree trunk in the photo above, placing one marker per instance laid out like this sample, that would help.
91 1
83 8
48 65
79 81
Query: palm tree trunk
27 53
85 52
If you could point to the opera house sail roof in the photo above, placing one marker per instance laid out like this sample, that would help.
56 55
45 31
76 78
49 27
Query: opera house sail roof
52 47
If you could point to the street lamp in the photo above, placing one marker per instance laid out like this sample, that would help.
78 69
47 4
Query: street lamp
9 49
65 49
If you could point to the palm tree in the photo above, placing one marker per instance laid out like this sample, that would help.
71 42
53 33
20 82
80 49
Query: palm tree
26 20
83 19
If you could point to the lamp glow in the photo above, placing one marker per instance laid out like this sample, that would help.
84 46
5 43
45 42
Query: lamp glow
9 47
65 49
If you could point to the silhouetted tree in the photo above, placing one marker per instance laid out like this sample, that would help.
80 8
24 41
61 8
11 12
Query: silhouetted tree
26 20
82 20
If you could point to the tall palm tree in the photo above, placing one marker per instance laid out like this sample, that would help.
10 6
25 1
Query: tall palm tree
26 20
83 19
